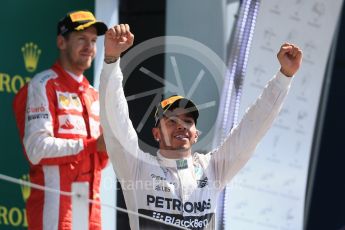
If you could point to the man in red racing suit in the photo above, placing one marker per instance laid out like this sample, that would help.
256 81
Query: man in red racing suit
58 119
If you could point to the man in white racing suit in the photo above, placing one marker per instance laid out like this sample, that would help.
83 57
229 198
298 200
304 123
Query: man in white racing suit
178 186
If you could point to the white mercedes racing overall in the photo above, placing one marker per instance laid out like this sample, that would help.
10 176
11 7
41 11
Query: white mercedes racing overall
183 192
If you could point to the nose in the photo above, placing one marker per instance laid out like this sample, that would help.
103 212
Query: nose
89 44
181 125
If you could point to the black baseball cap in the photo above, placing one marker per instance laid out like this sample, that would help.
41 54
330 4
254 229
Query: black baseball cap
174 102
80 20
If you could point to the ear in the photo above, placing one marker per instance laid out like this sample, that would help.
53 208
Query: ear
60 42
156 134
196 136
196 139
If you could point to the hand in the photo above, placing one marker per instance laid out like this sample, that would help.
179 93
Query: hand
290 59
117 40
101 144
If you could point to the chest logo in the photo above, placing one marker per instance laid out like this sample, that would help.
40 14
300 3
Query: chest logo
75 100
69 101
63 100
67 125
181 164
202 183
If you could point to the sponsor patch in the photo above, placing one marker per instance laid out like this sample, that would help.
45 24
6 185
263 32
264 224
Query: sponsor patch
36 109
67 125
162 188
75 101
69 101
205 221
181 164
177 205
72 124
202 183
38 116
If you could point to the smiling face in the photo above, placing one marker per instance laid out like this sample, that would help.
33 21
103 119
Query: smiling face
77 50
176 134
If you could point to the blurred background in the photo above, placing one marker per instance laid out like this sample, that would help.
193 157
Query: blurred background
220 53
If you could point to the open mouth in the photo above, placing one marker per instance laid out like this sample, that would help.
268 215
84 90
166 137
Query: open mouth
182 137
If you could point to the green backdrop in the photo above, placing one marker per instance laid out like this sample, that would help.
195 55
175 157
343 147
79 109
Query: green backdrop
28 28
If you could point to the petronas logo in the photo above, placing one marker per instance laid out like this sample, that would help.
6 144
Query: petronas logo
31 55
25 189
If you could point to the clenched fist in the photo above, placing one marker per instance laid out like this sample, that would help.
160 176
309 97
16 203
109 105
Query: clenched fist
117 40
290 59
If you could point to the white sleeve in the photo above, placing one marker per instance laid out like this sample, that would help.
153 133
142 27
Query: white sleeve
241 142
119 134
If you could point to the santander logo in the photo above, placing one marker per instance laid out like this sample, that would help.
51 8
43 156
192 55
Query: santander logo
67 125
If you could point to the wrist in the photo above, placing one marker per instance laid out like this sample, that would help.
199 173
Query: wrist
286 73
110 59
